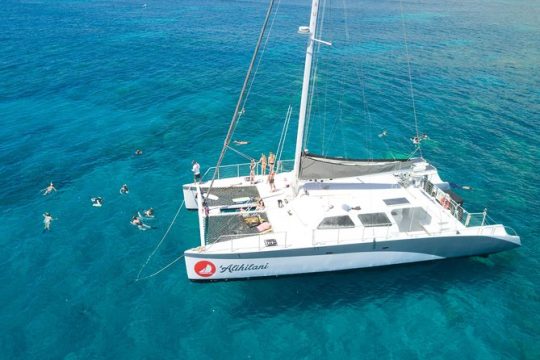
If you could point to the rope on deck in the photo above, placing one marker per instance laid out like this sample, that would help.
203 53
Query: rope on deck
156 249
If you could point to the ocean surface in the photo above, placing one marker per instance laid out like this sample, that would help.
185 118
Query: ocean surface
83 84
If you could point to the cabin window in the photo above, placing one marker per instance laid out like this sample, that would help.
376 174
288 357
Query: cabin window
335 222
396 201
374 219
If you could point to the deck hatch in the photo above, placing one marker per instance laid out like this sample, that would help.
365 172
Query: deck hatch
335 222
374 219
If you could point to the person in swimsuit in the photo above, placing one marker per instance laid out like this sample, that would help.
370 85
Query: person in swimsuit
149 213
252 166
136 221
49 189
124 189
271 161
271 180
97 201
47 219
196 171
260 205
263 162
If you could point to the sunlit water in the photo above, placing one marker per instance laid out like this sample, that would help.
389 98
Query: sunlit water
85 83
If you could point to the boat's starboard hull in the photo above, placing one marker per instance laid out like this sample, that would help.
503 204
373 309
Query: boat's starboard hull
211 266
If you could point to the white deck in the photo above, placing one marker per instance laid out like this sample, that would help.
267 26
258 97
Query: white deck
295 224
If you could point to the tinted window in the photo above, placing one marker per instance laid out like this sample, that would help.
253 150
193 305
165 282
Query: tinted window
375 219
334 222
396 201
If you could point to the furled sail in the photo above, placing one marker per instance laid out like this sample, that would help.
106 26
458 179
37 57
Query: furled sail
321 167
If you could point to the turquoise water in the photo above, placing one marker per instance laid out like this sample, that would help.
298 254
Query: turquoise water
85 83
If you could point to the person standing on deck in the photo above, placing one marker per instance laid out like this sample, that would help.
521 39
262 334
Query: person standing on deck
271 180
271 161
252 166
196 171
263 162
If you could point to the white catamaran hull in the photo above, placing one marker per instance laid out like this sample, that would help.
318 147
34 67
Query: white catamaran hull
203 266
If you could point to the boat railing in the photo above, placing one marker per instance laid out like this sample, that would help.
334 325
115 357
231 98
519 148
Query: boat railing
468 219
243 170
276 240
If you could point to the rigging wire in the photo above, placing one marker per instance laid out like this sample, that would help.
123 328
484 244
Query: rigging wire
260 57
240 97
411 88
281 144
240 153
362 79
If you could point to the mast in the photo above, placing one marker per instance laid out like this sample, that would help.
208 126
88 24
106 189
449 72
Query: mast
305 90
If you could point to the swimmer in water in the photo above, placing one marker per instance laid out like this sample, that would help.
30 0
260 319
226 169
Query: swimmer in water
47 219
49 189
124 190
415 140
97 201
383 134
136 221
138 152
149 213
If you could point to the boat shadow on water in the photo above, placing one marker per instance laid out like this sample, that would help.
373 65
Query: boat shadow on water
372 285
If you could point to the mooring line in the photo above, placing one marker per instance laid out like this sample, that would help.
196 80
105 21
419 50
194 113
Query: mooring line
157 247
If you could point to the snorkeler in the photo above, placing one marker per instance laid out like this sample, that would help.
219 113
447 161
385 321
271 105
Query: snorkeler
149 213
136 221
97 201
49 189
47 219
124 190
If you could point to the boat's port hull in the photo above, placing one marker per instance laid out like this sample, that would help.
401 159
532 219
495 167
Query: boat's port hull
208 266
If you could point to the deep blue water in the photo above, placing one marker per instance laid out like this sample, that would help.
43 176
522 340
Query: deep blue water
85 83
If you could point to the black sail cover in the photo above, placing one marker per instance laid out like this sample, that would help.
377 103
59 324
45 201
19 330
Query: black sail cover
321 167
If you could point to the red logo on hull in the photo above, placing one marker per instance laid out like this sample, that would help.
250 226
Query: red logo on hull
204 268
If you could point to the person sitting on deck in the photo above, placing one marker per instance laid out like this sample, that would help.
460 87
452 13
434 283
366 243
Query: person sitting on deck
260 204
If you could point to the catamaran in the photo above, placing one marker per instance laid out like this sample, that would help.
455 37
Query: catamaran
320 213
